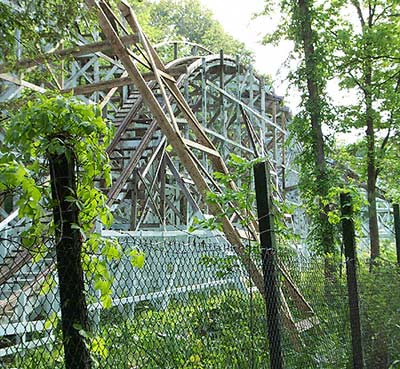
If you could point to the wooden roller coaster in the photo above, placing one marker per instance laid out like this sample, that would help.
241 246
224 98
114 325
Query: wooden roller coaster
175 124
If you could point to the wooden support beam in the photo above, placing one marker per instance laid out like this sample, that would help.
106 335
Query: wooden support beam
250 132
110 93
182 184
119 82
160 147
75 51
117 186
162 180
249 109
200 147
176 140
21 82
150 196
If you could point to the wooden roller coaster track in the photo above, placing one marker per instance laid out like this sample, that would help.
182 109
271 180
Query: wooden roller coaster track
176 123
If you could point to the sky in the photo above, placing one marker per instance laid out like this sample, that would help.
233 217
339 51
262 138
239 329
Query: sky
236 16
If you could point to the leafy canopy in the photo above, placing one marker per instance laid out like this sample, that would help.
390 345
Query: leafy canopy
55 125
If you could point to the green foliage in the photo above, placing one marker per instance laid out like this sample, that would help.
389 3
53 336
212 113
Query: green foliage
241 200
379 309
366 52
54 125
224 265
39 23
390 171
301 22
187 20
227 327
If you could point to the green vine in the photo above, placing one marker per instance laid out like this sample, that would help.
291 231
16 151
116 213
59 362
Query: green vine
54 125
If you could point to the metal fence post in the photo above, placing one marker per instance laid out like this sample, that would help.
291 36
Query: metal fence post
351 271
68 245
268 251
396 215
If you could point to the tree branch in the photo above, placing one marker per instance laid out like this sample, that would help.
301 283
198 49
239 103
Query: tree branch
356 4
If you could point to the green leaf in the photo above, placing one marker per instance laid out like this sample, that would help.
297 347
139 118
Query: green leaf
137 258
106 301
98 345
51 321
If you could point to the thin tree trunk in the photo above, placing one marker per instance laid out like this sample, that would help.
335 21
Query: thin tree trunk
74 316
314 106
371 168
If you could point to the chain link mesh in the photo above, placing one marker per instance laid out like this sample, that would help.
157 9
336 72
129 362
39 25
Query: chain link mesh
192 305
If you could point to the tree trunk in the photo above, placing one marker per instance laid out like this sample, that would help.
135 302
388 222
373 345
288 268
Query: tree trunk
74 315
371 167
314 107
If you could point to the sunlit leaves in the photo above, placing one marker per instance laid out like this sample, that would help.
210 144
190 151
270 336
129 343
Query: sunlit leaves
52 321
187 20
39 22
98 347
54 125
137 258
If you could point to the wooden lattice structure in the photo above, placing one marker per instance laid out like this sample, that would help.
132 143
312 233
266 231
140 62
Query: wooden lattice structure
176 123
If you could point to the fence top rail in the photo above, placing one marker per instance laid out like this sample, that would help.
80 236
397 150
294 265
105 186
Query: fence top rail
163 234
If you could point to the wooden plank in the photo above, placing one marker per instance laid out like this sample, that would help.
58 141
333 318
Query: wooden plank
161 294
119 82
227 140
250 110
290 324
306 324
200 147
150 196
162 180
8 270
245 235
9 219
98 86
175 139
155 63
250 132
21 82
75 51
294 292
45 341
110 94
117 186
134 200
160 147
182 184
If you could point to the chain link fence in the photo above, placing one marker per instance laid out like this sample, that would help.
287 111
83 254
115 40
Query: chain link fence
192 305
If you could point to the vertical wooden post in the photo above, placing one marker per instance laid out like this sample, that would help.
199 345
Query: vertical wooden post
351 271
175 50
74 315
268 251
204 101
223 113
396 215
162 179
275 142
238 96
251 87
263 129
283 148
134 200
204 92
